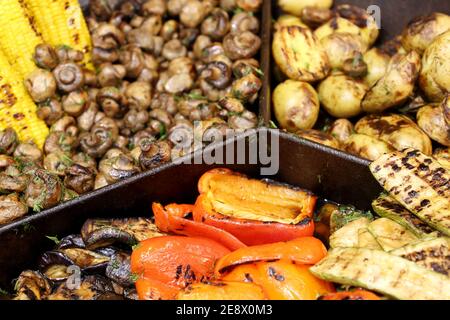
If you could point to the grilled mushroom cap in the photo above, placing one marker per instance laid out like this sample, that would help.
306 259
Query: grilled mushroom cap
69 76
11 208
8 141
28 151
41 85
44 190
79 178
241 45
216 25
45 56
154 154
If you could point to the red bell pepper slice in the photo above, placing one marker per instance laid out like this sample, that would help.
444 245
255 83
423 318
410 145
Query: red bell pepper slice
172 219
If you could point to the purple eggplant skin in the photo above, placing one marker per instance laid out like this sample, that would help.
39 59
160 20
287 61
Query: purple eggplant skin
119 269
106 236
50 258
130 294
53 257
92 287
71 241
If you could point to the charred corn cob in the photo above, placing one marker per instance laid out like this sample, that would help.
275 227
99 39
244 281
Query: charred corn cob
50 20
19 36
80 37
17 109
61 22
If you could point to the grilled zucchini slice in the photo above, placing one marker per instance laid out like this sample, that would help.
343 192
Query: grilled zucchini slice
367 240
387 207
382 272
432 254
348 235
390 235
417 182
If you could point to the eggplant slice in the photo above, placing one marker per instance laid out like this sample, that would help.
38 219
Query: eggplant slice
119 269
71 241
88 261
57 272
98 233
32 285
91 288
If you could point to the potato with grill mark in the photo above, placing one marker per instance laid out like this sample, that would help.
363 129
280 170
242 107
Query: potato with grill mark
295 7
434 78
296 105
299 54
430 119
366 146
341 47
396 85
341 95
421 32
397 130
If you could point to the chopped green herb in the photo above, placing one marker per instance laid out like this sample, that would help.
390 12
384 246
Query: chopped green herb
237 94
259 71
196 96
272 125
3 292
54 239
134 247
178 98
27 227
238 10
162 131
66 160
134 277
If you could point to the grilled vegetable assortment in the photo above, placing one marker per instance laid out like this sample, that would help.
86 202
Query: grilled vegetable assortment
258 244
413 226
125 102
329 58
203 257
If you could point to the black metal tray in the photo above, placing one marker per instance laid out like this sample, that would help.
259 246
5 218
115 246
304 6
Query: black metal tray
327 172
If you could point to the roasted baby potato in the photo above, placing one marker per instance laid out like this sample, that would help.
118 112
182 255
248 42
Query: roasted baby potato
362 19
367 147
395 129
319 137
337 25
295 7
341 129
341 95
421 32
395 86
430 119
434 78
296 105
287 20
299 54
446 108
377 63
341 47
443 157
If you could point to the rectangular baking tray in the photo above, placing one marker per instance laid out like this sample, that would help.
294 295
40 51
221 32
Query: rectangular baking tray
329 173
262 107
394 16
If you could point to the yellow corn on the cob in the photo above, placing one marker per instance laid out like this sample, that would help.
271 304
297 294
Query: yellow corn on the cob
80 38
18 36
17 109
50 20
61 22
